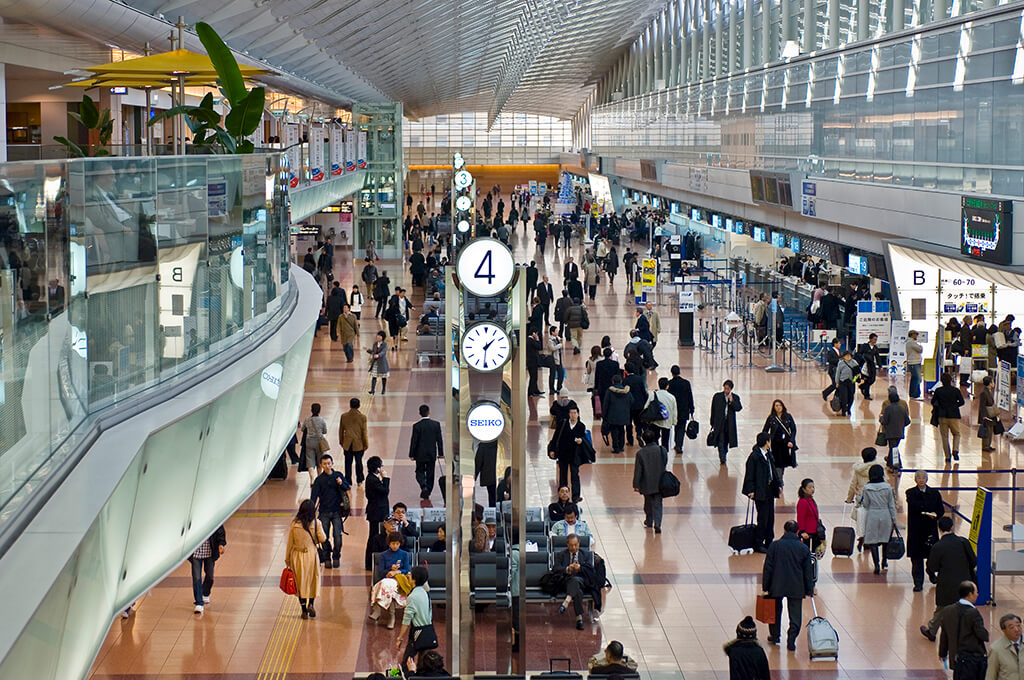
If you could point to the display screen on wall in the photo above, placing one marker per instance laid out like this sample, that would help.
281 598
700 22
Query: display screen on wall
771 187
716 221
778 239
737 226
695 214
648 171
760 234
794 244
857 264
986 229
728 224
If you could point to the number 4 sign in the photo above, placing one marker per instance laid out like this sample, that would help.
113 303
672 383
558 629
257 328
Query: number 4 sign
485 267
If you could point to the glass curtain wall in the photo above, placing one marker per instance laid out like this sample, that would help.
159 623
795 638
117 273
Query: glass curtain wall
514 137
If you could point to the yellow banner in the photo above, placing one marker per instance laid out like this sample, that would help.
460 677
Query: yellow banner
650 273
979 507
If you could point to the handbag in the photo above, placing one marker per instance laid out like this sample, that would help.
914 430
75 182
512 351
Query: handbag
424 637
984 431
765 609
597 407
323 445
895 548
997 427
880 439
692 429
288 586
820 533
711 440
668 486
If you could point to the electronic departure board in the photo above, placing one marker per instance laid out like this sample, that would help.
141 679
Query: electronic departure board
986 229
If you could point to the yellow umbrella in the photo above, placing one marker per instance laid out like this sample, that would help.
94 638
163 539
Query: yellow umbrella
173 63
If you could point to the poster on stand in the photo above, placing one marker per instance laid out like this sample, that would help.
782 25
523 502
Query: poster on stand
1020 379
316 154
350 150
1003 401
361 153
337 151
293 153
898 348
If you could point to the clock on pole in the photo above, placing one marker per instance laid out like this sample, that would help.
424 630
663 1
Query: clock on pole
485 346
485 267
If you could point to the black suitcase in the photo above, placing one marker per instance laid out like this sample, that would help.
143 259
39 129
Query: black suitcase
843 538
744 536
280 469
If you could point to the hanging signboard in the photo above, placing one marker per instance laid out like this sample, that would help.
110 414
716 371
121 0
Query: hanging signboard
873 317
986 228
649 275
1020 379
316 154
350 150
361 152
898 348
293 153
337 151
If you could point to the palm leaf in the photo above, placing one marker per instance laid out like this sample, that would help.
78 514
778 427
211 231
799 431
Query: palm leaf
224 62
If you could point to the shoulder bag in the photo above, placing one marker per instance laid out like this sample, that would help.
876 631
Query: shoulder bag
895 548
424 637
288 586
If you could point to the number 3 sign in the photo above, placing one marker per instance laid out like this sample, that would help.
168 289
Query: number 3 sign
485 267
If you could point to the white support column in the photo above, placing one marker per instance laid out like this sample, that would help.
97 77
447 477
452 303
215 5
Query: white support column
863 13
684 42
666 48
766 31
940 8
720 67
833 23
705 71
748 34
672 46
735 59
3 112
898 16
694 45
810 38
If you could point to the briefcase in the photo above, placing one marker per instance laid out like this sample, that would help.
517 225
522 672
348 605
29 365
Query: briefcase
744 536
765 609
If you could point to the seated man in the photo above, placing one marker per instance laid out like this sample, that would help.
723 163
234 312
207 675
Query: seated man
406 526
424 329
572 524
612 661
571 561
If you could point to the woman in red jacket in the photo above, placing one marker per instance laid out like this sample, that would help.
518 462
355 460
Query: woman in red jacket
807 515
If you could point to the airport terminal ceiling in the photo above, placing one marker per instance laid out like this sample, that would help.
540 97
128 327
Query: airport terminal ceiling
537 56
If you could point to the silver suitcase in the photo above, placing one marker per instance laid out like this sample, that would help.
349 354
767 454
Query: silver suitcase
822 638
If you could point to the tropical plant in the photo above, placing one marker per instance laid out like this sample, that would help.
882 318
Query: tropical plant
95 121
245 115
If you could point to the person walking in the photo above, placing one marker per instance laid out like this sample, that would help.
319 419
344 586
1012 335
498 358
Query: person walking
946 403
915 363
833 356
426 445
202 560
378 488
316 441
869 358
562 305
894 420
846 371
381 287
747 660
554 350
964 635
616 403
761 485
591 277
951 561
987 413
653 323
724 407
576 321
664 426
1006 655
924 508
334 304
379 367
348 332
417 631
305 534
565 449
355 301
604 372
787 574
636 380
330 497
782 428
354 439
808 517
878 502
651 460
679 387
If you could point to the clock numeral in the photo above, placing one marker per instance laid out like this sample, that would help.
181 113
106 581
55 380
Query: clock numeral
490 276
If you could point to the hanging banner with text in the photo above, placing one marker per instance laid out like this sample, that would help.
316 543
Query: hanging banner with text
350 150
1003 399
898 348
337 151
873 317
649 275
294 153
316 154
361 153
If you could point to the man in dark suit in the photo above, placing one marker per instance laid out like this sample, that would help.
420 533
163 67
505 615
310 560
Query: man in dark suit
832 357
570 271
545 295
425 447
724 406
335 301
603 372
787 573
950 562
651 461
761 484
869 358
679 387
532 274
964 635
571 561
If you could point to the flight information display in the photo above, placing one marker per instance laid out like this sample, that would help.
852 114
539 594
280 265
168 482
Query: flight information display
986 229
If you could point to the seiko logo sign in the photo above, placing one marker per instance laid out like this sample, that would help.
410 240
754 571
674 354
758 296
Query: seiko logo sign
270 380
485 421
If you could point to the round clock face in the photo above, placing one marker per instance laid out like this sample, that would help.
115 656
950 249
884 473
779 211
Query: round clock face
463 226
463 203
485 267
463 179
485 346
485 421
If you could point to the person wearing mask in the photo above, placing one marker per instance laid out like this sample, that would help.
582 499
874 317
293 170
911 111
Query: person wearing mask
664 426
379 367
650 462
1006 655
724 407
915 364
354 439
378 488
782 428
315 440
330 496
832 358
747 660
878 502
565 448
951 561
964 635
203 560
615 404
761 485
924 508
946 403
787 574
305 534
987 413
846 371
894 420
348 331
679 388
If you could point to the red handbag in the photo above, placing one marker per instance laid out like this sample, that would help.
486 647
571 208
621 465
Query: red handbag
288 582
765 609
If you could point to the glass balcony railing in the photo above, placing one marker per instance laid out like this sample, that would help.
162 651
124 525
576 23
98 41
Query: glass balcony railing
117 274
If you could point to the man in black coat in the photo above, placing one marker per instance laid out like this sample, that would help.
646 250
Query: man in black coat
761 484
643 326
335 302
832 357
829 310
787 573
533 350
425 447
642 348
545 296
964 635
869 359
950 562
724 406
924 508
679 387
531 278
571 562
603 372
561 305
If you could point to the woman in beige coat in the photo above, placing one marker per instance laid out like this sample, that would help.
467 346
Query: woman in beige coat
301 556
860 478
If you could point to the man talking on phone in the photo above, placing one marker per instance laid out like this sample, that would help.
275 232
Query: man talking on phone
330 494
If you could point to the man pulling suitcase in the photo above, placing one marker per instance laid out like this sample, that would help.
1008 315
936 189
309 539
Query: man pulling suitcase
788 573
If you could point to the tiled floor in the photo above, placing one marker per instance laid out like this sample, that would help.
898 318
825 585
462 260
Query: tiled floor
677 597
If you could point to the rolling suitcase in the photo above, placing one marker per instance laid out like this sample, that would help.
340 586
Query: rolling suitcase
280 469
843 538
822 638
744 536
